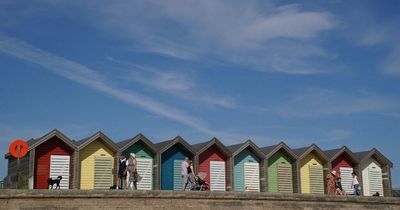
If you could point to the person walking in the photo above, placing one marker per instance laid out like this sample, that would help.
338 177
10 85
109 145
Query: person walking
121 180
355 184
132 170
184 172
330 183
191 177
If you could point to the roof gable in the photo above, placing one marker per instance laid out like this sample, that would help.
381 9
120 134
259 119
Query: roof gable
271 150
237 148
364 155
165 145
123 145
33 143
303 152
98 135
54 133
335 153
201 147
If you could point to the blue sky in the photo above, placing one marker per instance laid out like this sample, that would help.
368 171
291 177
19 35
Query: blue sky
302 72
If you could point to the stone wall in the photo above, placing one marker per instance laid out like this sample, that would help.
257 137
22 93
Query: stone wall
113 199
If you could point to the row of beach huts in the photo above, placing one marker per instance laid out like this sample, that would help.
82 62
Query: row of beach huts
92 163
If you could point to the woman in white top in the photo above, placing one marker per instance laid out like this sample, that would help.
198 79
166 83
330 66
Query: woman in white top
131 168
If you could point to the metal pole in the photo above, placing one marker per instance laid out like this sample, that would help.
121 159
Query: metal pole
18 157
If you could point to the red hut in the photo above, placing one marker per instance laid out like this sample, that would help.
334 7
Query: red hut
212 158
53 157
344 161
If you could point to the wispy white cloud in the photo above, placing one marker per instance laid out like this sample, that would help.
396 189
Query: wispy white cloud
173 83
314 102
257 35
90 78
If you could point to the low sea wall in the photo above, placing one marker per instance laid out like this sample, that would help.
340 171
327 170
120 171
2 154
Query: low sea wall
149 200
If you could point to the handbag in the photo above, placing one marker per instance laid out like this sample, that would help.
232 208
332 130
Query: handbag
138 177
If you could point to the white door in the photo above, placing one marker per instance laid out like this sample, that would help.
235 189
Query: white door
103 176
375 180
347 178
251 177
177 175
145 170
59 166
217 175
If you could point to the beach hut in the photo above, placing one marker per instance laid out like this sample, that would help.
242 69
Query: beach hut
49 156
212 158
171 154
248 167
97 158
146 157
375 173
281 168
343 161
312 165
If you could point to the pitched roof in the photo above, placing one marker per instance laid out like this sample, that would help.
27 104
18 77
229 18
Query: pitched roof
160 145
271 150
98 135
304 151
201 147
33 143
268 149
300 151
123 145
165 145
237 148
364 155
332 154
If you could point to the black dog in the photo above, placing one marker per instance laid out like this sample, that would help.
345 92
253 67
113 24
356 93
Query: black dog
51 182
113 187
376 194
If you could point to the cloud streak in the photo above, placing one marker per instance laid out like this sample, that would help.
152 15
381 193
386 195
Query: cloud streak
173 83
257 35
90 78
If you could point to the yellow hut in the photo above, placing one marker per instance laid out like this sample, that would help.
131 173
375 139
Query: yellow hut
312 165
97 157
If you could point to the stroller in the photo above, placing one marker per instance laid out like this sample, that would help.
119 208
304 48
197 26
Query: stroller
197 183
